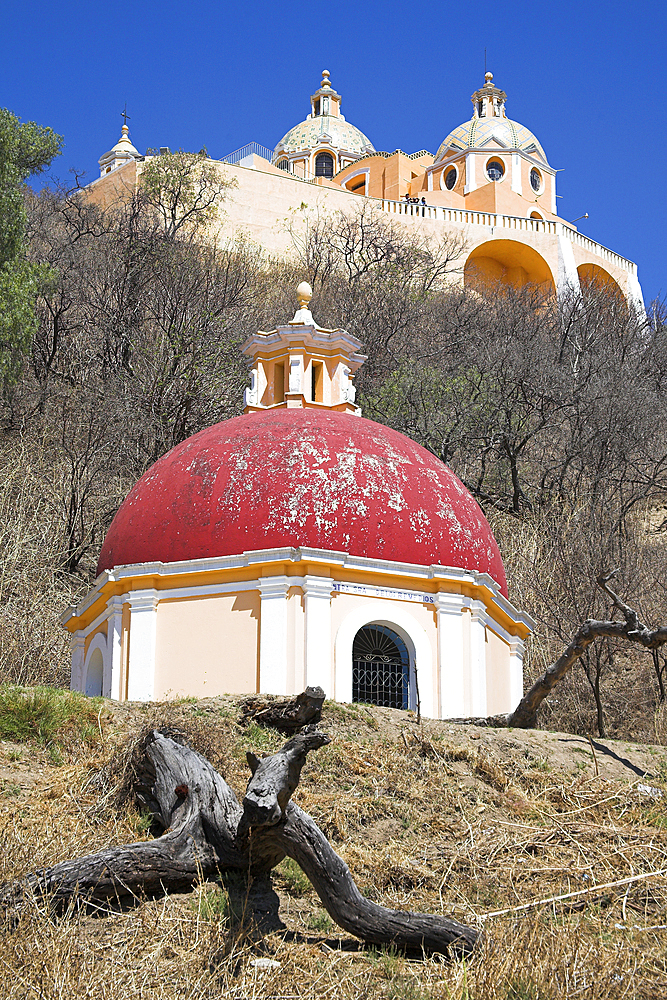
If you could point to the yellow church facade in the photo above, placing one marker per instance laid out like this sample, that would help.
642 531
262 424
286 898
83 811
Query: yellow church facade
489 186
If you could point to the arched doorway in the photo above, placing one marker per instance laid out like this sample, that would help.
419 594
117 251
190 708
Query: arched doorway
507 262
418 642
324 165
95 674
380 667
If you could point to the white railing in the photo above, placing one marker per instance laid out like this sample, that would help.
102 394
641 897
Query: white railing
466 217
248 150
598 249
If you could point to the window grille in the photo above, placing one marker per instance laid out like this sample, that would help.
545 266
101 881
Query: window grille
380 667
324 165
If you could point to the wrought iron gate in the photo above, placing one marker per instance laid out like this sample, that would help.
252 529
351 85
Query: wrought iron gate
380 667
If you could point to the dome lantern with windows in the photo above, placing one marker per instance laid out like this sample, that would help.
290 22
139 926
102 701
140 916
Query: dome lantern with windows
120 154
488 126
324 143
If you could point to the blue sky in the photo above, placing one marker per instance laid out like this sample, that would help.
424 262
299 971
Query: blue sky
585 77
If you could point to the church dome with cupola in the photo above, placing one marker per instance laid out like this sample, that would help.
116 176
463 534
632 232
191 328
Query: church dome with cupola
324 143
301 544
324 130
489 126
484 131
120 154
294 477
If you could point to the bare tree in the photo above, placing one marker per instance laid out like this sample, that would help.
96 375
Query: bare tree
372 275
185 190
631 629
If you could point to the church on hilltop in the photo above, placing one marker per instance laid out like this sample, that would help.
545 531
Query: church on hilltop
490 184
300 543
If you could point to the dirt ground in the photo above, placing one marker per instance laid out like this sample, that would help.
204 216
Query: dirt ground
489 825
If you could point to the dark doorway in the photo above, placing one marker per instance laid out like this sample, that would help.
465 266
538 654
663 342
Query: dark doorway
380 667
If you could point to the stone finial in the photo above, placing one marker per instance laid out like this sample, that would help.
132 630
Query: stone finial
488 77
325 79
304 294
303 315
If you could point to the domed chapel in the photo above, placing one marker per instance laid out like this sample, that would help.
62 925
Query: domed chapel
302 544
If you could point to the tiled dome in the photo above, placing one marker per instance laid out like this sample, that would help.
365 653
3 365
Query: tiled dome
306 135
480 131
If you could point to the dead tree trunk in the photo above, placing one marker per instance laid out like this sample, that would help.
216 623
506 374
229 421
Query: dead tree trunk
207 833
285 715
632 629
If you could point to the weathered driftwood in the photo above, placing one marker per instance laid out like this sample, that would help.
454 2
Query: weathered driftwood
207 832
287 716
632 629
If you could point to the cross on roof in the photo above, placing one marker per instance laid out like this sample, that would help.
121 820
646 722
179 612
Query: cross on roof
124 114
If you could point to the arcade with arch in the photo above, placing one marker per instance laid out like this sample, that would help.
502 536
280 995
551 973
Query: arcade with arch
595 277
507 262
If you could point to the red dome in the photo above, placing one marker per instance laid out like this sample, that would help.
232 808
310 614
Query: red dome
314 478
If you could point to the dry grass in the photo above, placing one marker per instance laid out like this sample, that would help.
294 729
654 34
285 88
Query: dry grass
439 818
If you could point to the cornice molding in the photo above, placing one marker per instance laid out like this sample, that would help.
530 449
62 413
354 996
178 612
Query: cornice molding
142 573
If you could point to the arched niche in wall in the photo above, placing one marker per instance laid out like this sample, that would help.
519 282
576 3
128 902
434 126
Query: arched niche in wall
95 674
357 182
94 667
507 262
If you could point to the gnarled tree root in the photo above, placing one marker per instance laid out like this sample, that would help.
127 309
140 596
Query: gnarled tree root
208 833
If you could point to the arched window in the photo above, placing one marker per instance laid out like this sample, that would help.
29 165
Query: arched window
324 165
95 674
380 667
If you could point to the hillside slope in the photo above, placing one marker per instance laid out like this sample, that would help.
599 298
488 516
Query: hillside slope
438 817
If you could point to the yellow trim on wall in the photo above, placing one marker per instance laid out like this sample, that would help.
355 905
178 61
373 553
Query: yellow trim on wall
400 581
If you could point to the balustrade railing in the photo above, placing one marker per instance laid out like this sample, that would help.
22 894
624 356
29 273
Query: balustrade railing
463 216
597 248
466 217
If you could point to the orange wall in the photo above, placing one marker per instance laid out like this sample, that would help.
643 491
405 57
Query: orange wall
117 186
390 177
227 632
